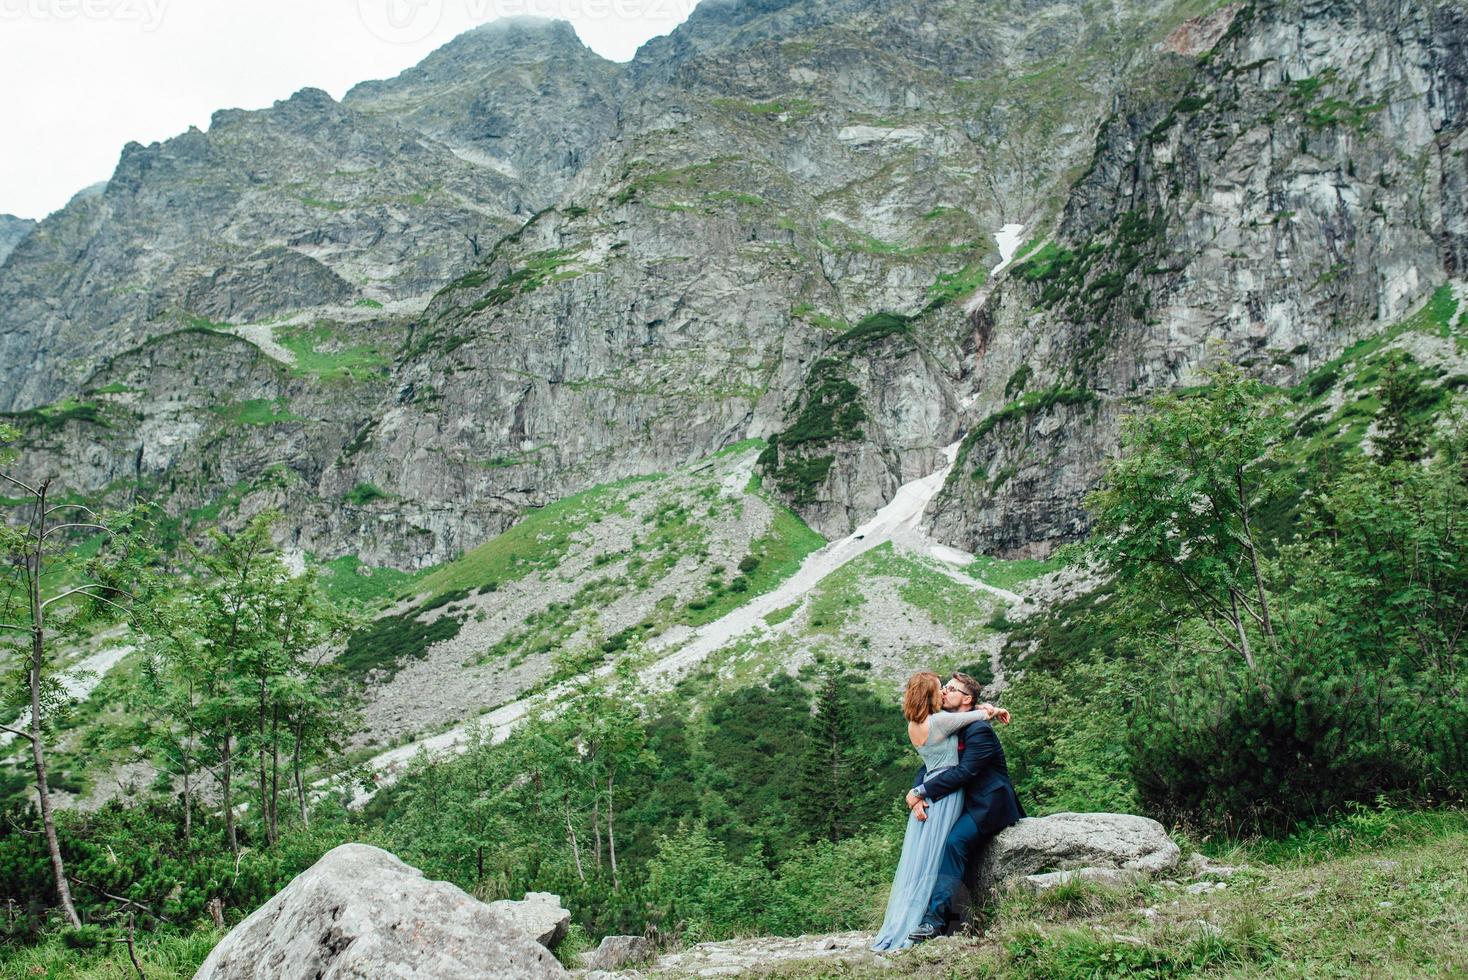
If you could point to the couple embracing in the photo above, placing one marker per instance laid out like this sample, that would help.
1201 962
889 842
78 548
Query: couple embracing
962 797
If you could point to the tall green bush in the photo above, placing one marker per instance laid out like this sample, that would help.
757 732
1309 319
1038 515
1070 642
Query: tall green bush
1284 679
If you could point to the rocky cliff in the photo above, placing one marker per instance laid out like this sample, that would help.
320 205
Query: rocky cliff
518 270
12 230
1298 188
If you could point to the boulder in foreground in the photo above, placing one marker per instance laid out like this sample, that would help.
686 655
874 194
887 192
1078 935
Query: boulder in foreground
538 915
619 952
359 912
1066 841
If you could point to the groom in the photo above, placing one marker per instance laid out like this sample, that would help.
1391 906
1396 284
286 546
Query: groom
989 803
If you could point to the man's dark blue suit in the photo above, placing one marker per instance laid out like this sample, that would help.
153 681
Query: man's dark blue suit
989 805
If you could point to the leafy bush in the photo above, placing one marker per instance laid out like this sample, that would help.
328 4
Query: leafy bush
1261 750
694 888
1290 679
384 642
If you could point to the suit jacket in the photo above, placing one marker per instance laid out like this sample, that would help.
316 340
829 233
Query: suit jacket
989 796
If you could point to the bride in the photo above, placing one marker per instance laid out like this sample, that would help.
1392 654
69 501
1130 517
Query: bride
933 732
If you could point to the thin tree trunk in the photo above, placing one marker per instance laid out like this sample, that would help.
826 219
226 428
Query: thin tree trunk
274 774
611 833
188 754
48 819
260 750
596 822
226 765
300 784
1254 556
1239 626
575 847
188 803
38 751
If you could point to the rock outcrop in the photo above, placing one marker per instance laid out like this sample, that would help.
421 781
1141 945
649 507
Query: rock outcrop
1082 843
619 952
538 915
12 230
361 912
1294 188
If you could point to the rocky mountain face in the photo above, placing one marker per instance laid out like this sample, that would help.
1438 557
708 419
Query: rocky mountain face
520 96
1302 187
12 230
518 270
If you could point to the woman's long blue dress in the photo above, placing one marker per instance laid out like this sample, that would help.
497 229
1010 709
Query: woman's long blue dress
922 847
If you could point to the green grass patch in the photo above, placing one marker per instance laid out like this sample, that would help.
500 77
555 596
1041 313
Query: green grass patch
1031 403
1009 573
365 493
1435 317
535 271
256 411
347 581
876 327
207 325
383 644
781 615
538 541
951 286
791 109
319 352
316 202
772 559
49 418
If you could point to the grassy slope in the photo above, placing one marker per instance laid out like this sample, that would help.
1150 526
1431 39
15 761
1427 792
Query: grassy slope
674 519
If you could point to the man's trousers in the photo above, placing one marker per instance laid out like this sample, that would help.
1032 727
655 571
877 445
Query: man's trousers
963 841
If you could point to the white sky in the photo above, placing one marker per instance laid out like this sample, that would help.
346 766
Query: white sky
82 77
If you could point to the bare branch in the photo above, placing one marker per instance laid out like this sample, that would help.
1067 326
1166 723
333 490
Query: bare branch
118 898
90 513
24 486
83 589
59 527
13 626
17 731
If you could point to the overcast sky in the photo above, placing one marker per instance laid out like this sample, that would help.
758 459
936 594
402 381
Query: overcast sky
82 77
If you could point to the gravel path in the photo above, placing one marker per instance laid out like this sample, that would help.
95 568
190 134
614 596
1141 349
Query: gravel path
838 952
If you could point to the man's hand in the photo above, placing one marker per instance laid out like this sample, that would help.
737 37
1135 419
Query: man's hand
921 810
913 799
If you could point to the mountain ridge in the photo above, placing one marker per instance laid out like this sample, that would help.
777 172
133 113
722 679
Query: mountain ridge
730 247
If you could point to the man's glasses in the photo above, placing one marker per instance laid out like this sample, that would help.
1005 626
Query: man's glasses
957 690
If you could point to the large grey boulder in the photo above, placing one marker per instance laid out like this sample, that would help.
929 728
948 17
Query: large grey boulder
619 952
539 915
1066 841
361 912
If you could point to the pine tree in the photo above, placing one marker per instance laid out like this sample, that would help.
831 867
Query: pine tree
831 798
1401 435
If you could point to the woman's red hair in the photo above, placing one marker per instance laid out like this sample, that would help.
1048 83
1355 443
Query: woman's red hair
923 696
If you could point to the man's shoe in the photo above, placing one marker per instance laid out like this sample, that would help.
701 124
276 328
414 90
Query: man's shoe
923 933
